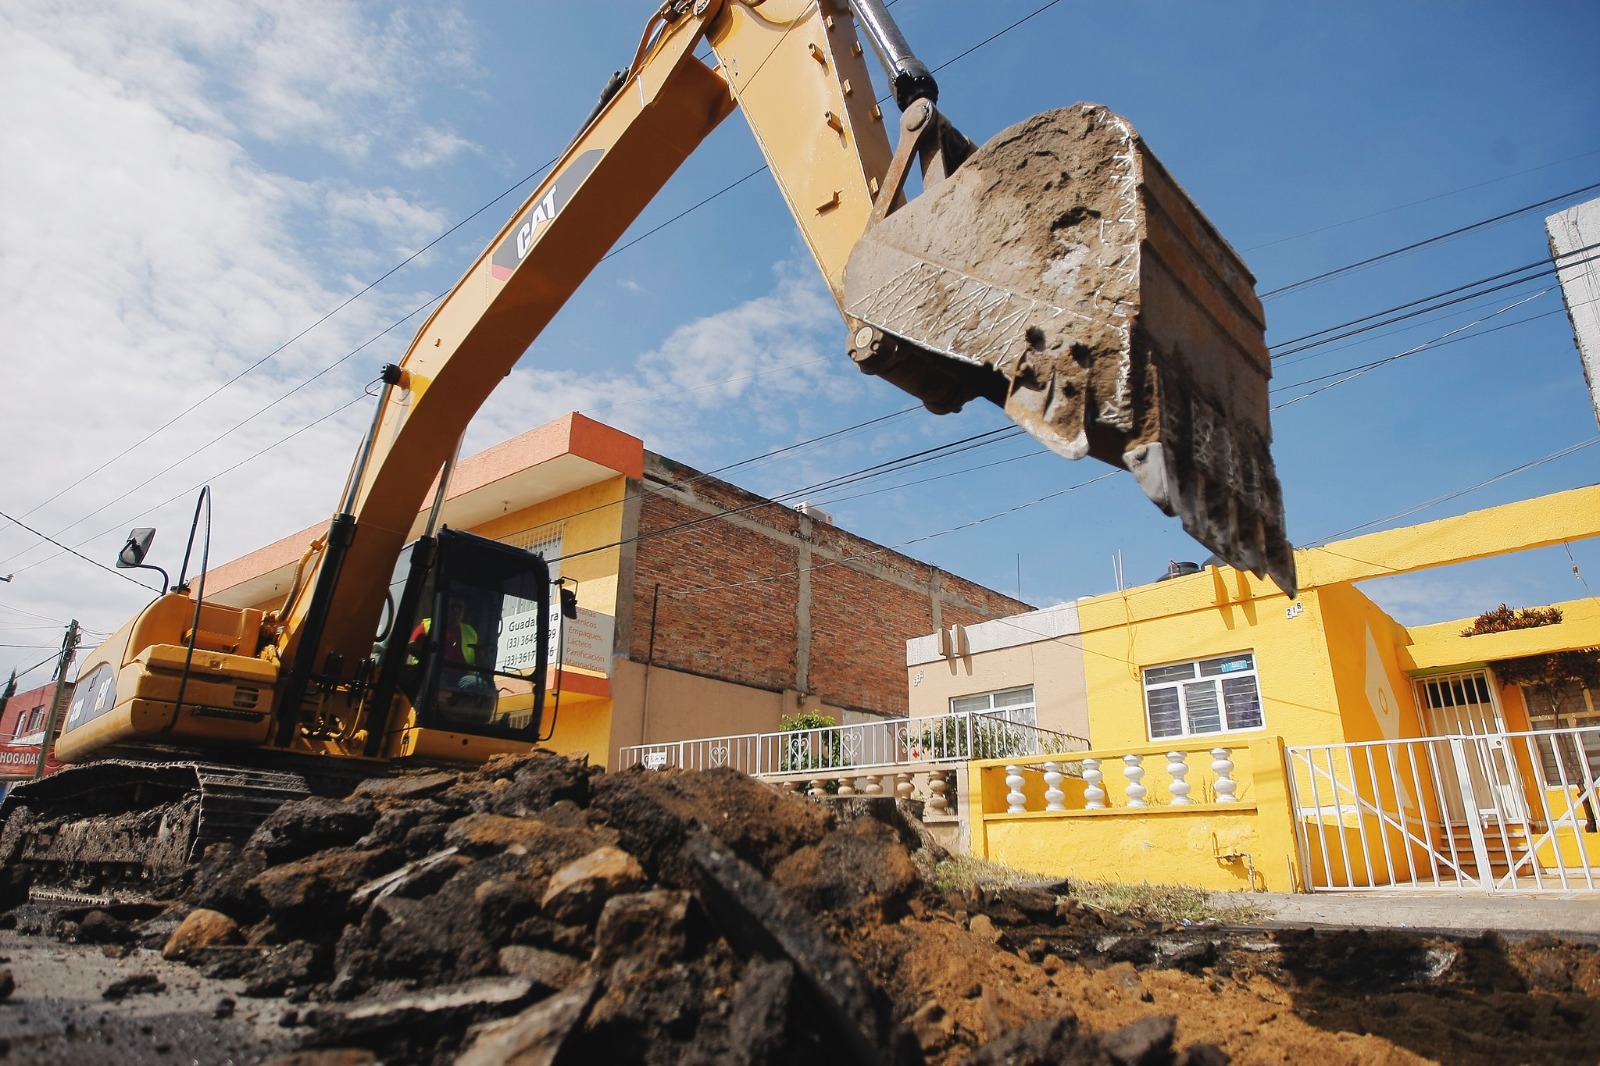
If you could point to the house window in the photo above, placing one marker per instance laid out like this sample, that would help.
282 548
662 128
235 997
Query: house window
1575 707
1014 706
1208 696
545 540
999 724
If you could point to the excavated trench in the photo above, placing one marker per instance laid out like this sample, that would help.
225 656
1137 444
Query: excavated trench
539 911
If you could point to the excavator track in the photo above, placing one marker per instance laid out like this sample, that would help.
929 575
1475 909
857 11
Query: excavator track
117 829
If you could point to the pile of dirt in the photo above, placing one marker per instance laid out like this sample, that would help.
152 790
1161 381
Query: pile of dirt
539 911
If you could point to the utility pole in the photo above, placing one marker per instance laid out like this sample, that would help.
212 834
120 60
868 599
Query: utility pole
52 719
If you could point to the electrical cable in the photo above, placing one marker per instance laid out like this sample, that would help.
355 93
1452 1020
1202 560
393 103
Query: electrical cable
370 286
746 177
1544 268
1392 320
1424 200
85 558
1430 345
1459 231
179 495
1571 449
1359 371
888 466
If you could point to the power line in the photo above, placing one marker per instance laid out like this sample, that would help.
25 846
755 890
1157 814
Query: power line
80 555
1418 203
372 285
193 488
1437 342
1371 260
280 348
1570 449
1359 371
1542 269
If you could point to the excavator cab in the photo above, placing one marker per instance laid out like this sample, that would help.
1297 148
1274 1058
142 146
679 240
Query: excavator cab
467 643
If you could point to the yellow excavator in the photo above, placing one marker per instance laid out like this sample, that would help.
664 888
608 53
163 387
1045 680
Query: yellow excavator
1056 271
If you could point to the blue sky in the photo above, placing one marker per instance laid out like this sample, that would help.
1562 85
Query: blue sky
193 187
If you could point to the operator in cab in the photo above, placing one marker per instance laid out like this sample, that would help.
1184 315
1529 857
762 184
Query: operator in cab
460 638
464 693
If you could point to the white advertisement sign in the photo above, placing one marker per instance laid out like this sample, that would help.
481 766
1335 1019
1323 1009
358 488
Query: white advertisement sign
586 645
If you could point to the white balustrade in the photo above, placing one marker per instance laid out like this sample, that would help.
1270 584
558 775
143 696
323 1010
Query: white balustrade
1178 769
1222 767
938 802
1016 802
847 786
819 787
1054 798
1093 795
1133 770
903 788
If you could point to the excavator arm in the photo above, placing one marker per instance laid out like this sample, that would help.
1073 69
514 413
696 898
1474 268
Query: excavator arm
1058 272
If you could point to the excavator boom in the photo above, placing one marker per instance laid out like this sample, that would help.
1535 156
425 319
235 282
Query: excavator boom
1056 271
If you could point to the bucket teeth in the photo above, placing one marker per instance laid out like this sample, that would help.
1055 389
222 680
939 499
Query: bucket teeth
1062 274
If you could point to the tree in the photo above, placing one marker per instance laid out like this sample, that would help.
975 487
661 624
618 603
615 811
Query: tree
1547 676
10 690
813 751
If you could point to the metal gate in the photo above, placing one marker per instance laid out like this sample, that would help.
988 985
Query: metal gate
1484 811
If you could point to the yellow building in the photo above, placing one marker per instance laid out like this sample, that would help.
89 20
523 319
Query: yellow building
1242 739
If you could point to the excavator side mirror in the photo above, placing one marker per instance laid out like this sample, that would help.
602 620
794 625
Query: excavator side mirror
569 603
138 546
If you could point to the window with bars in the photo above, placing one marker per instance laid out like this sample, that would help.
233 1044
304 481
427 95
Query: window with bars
545 540
1205 696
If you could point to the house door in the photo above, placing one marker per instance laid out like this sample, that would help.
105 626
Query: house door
1483 776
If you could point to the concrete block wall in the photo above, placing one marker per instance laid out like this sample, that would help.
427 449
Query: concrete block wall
764 596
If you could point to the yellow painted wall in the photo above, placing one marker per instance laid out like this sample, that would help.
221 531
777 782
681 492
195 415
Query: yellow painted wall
1202 843
580 726
590 518
1215 612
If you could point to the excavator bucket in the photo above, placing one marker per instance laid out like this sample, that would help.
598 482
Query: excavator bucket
1061 273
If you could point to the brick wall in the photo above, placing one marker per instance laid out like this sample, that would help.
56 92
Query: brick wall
763 596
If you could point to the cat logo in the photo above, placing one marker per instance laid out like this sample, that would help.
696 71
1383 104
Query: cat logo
541 214
535 217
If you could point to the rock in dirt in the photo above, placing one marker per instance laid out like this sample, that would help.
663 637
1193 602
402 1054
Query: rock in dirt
8 984
533 1038
760 919
200 929
296 830
579 890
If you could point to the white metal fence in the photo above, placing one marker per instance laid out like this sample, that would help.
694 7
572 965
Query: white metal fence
897 742
1500 812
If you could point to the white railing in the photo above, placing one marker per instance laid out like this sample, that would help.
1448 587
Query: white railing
1127 788
1496 812
887 744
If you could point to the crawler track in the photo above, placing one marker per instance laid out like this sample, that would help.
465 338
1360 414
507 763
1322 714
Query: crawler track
115 829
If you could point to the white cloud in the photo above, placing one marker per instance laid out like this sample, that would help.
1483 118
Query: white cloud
434 146
148 255
753 362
